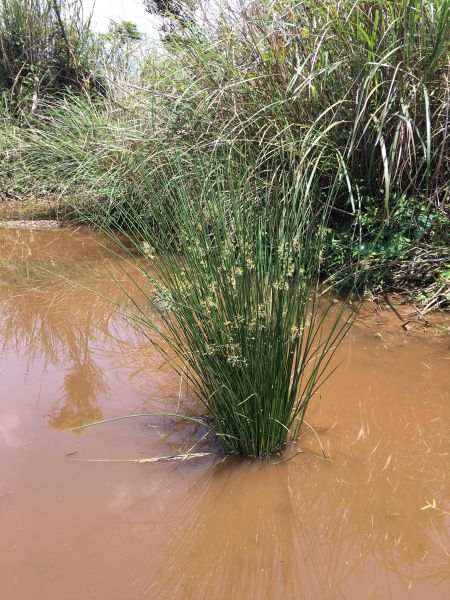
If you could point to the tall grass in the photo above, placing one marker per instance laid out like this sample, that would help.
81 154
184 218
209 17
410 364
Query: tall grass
370 79
368 83
272 68
92 154
45 47
235 305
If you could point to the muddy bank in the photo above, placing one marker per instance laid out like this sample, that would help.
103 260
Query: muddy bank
31 209
31 224
368 521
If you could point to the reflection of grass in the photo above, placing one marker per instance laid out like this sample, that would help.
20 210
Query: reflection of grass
233 546
46 319
81 388
308 528
302 529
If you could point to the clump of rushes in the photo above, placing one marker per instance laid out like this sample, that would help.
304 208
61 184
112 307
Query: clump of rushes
235 296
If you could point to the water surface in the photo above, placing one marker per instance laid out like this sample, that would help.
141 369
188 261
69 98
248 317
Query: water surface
349 527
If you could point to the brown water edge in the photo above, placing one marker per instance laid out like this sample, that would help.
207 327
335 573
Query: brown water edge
351 527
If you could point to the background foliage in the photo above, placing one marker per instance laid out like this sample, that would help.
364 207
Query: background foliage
366 83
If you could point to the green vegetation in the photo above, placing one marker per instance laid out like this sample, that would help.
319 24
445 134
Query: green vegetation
236 305
306 139
45 46
369 82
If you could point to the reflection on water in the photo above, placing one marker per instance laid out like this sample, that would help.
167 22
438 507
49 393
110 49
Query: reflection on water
348 527
307 528
47 321
79 404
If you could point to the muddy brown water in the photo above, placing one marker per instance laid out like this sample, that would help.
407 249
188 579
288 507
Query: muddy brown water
351 527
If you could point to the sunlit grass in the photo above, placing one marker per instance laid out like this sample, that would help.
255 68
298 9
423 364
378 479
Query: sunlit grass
234 300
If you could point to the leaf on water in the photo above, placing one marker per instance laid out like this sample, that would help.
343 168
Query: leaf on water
187 456
428 505
433 505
